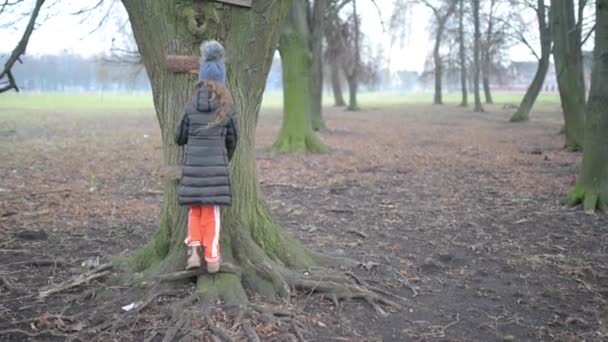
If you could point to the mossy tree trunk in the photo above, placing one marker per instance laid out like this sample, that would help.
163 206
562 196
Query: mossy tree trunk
297 134
250 238
523 111
569 70
476 52
462 55
592 186
317 31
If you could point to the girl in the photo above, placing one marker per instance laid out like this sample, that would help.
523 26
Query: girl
208 129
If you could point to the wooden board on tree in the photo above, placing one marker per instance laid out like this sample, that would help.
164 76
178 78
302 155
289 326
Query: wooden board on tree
244 3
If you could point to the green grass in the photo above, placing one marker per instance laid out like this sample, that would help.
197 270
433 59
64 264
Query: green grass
100 101
73 101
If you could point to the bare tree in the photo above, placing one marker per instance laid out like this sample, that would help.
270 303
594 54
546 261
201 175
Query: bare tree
462 55
442 12
476 52
7 80
523 112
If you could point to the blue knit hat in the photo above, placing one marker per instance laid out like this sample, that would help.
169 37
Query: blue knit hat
212 62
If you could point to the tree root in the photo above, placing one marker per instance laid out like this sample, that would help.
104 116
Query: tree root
591 200
343 291
175 276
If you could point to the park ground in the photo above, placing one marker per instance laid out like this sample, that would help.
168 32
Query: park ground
456 215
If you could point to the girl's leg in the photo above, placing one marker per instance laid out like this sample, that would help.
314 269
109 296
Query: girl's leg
210 231
194 237
193 240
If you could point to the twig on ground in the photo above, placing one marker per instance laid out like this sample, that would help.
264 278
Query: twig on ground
41 263
250 333
175 328
29 334
358 233
220 332
9 285
81 279
299 334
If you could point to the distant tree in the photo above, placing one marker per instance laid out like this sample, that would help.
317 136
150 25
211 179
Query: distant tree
352 34
592 185
462 55
523 111
442 11
568 57
317 32
476 52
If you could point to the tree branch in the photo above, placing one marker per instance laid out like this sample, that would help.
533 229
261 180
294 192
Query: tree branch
19 50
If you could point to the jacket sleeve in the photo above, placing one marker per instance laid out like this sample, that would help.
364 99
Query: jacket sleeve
181 130
232 135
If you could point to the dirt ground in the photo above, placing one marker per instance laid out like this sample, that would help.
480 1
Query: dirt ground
456 215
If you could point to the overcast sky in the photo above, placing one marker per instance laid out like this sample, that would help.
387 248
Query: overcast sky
64 32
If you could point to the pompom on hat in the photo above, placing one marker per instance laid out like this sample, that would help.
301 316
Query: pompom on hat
212 63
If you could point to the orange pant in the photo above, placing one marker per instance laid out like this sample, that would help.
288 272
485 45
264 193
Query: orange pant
204 230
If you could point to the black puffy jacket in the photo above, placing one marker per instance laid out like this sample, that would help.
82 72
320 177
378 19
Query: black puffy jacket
209 148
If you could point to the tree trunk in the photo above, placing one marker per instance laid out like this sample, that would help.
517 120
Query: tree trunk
437 99
569 70
486 82
336 85
463 60
317 28
476 65
353 77
592 186
352 93
296 134
523 112
487 56
250 238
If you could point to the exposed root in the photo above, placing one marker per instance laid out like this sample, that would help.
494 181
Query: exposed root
344 291
175 276
81 279
591 200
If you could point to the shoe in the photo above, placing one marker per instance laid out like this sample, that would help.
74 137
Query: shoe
194 258
213 266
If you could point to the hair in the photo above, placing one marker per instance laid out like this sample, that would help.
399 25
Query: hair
220 94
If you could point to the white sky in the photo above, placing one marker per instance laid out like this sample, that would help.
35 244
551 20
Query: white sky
64 32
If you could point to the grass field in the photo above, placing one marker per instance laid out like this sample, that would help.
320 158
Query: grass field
273 100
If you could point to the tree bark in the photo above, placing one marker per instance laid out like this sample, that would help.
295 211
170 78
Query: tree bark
487 56
438 98
250 238
592 186
352 77
462 55
476 66
297 134
317 28
523 112
336 85
569 70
